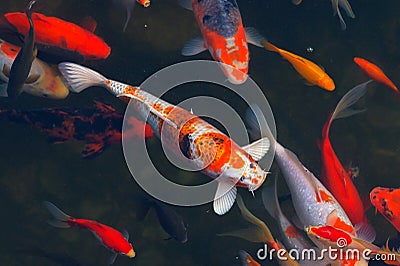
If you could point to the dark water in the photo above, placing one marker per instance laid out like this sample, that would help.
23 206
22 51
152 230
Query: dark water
33 170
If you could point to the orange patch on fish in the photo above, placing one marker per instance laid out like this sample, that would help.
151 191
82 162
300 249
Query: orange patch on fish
291 231
322 196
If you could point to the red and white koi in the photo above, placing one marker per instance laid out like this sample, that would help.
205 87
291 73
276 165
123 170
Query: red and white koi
223 35
186 135
109 237
43 80
313 203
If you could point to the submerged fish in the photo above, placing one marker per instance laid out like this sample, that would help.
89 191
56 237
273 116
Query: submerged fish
312 73
43 79
22 63
260 233
347 8
387 202
205 146
56 39
223 35
374 72
99 126
336 179
109 237
169 219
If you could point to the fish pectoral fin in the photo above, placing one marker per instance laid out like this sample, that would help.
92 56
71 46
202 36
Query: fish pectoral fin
254 37
224 197
93 149
111 260
3 90
187 4
258 148
365 231
194 46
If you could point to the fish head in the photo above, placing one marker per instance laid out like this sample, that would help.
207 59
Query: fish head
326 83
329 235
254 176
131 253
386 201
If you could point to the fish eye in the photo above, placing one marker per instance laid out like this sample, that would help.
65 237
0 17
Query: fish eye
251 165
242 178
317 237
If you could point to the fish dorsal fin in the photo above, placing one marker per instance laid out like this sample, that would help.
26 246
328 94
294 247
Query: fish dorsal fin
194 46
111 260
151 109
125 234
258 148
254 37
89 23
222 204
187 4
366 232
3 90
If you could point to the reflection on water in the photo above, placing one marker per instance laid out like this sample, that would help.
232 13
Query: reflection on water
102 189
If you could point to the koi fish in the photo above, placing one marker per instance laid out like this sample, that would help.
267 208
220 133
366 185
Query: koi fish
336 238
204 145
169 219
313 203
292 238
246 259
387 202
336 179
112 239
223 35
43 80
259 233
312 73
129 5
99 126
22 63
55 38
335 5
374 72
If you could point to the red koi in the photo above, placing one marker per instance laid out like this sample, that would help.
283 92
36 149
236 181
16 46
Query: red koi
387 202
59 34
334 176
108 236
374 72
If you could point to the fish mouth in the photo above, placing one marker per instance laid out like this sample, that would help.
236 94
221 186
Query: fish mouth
253 187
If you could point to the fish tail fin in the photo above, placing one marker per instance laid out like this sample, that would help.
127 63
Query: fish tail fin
61 219
80 78
270 47
129 9
343 109
270 199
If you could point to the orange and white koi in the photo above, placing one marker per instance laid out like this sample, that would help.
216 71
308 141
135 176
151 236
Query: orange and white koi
43 80
207 147
223 35
313 203
109 237
311 72
387 202
336 179
374 72
330 236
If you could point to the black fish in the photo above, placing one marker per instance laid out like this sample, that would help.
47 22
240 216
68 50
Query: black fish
171 221
23 62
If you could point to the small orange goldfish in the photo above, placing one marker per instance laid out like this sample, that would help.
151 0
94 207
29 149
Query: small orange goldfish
312 73
374 72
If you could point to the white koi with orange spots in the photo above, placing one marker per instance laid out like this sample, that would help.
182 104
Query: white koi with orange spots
204 145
